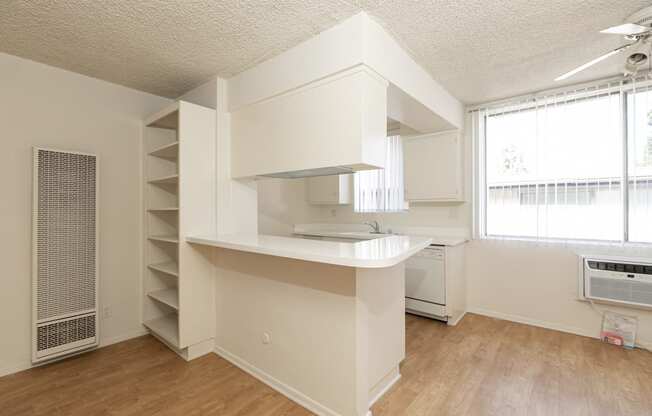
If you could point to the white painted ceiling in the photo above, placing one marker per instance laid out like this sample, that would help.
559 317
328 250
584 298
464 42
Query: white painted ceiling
478 49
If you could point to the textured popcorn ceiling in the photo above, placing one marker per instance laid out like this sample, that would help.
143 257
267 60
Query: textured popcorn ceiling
478 49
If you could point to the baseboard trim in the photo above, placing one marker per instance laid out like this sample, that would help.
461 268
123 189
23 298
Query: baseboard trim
548 325
279 386
200 349
385 388
12 369
123 337
456 320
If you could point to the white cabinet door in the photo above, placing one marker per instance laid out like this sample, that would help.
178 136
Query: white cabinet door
330 190
433 167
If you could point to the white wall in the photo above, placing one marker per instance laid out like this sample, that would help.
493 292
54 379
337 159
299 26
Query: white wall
537 283
204 94
50 107
281 204
444 215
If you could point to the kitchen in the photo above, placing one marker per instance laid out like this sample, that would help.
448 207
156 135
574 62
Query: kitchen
352 221
343 138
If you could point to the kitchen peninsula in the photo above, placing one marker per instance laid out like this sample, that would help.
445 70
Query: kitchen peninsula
326 318
321 321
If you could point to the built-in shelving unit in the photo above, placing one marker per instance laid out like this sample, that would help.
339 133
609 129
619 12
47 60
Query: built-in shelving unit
179 197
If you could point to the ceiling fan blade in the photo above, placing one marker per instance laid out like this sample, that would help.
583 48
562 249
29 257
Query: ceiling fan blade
593 62
626 29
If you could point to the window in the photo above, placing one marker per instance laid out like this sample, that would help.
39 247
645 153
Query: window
382 190
556 167
639 145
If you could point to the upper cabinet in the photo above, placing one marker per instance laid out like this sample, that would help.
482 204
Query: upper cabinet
433 167
335 124
330 190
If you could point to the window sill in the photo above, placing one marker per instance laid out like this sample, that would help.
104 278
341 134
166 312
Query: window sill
570 243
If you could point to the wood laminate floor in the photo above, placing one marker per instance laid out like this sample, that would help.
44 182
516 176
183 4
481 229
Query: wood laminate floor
481 367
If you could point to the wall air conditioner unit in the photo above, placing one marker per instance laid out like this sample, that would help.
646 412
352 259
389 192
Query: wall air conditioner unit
616 280
65 254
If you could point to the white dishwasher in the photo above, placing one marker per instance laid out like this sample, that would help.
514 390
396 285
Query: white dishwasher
425 283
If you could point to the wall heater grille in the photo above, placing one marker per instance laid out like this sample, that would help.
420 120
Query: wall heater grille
58 333
65 250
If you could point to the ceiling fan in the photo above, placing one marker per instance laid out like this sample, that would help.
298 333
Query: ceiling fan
637 31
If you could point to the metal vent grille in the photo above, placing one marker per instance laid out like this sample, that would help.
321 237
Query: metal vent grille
65 332
64 275
66 230
621 290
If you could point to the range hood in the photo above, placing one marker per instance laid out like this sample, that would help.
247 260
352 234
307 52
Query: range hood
307 173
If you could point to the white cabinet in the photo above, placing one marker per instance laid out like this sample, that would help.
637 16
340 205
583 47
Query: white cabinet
336 122
330 190
433 167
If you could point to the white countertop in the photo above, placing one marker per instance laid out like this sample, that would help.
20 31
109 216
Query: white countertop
374 253
440 240
447 236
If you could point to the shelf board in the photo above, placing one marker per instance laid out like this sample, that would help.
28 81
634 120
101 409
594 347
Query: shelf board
165 180
169 267
167 118
166 327
169 151
164 238
169 209
169 297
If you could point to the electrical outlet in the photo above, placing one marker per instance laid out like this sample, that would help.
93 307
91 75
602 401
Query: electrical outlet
106 312
267 339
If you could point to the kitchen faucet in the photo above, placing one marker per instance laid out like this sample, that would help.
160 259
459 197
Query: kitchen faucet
374 226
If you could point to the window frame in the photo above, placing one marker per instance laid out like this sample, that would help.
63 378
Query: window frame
481 195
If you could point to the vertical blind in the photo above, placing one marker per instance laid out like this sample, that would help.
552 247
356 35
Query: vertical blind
573 165
382 190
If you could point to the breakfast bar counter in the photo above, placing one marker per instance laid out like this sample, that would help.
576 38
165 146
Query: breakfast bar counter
330 314
370 253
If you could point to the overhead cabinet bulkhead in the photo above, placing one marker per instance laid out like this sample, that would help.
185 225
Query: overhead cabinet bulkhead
335 122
